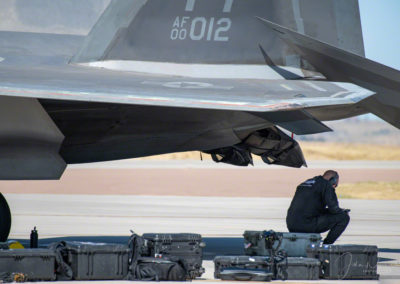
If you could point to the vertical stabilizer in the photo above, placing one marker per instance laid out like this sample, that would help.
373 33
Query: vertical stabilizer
217 31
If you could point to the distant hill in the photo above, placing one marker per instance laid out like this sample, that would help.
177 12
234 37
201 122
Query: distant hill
364 130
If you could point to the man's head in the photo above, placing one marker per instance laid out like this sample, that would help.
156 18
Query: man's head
332 177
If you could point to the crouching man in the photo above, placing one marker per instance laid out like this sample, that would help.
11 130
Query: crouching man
315 208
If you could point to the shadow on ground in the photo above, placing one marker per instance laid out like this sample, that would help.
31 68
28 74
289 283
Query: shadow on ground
214 246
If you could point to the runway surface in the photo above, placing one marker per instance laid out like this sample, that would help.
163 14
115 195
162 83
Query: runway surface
102 202
198 178
221 221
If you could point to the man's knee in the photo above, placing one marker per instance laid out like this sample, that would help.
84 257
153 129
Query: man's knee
347 218
344 218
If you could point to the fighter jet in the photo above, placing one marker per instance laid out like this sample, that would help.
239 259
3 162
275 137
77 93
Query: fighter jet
226 77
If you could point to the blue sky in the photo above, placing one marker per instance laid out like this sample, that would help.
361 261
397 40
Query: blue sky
380 21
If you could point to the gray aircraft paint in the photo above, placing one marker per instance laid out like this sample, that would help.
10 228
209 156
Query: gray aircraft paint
229 71
297 16
29 141
107 115
36 49
215 31
114 18
383 80
48 16
128 127
141 89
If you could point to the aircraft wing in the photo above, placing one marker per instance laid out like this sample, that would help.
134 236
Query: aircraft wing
76 83
35 66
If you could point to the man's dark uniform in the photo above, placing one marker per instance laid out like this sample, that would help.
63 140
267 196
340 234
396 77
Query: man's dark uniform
315 209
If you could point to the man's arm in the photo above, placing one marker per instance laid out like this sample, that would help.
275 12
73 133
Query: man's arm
331 200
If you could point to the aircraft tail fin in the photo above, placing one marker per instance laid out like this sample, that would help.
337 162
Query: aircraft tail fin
216 31
340 65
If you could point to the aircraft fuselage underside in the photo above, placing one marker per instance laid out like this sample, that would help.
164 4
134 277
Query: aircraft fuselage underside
99 132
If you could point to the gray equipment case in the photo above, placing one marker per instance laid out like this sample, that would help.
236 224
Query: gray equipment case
298 268
98 261
158 269
186 246
245 275
346 261
255 268
34 264
294 244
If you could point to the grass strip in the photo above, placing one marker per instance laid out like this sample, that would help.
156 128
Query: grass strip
370 190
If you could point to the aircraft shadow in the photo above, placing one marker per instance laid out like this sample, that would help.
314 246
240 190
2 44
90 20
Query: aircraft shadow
214 245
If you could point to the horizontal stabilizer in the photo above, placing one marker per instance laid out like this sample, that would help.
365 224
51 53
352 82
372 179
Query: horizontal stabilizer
340 65
299 122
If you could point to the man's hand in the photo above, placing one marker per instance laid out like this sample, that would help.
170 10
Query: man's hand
346 210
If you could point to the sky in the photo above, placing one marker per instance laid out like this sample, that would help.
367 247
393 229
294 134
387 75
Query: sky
380 20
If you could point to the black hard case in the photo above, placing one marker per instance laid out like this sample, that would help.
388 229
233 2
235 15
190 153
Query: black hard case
252 264
187 246
36 264
158 269
346 261
298 268
294 244
98 261
246 275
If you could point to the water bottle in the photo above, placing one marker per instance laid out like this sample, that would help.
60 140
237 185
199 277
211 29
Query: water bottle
34 238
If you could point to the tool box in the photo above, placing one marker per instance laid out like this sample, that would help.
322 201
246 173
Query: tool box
346 261
243 267
294 244
298 268
246 274
30 264
186 246
97 261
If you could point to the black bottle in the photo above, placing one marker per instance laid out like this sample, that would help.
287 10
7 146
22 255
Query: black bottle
34 238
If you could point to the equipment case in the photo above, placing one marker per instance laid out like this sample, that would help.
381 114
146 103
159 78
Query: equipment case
298 268
97 261
243 267
188 247
295 244
346 261
158 269
34 264
245 274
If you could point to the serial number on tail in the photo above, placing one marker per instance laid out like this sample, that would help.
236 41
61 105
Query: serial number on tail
201 28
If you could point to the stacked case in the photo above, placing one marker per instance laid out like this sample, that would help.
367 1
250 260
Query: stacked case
346 261
33 264
97 261
294 244
298 268
244 268
186 246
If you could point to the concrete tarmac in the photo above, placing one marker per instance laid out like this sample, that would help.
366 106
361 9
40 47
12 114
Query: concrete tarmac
198 178
102 202
221 221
